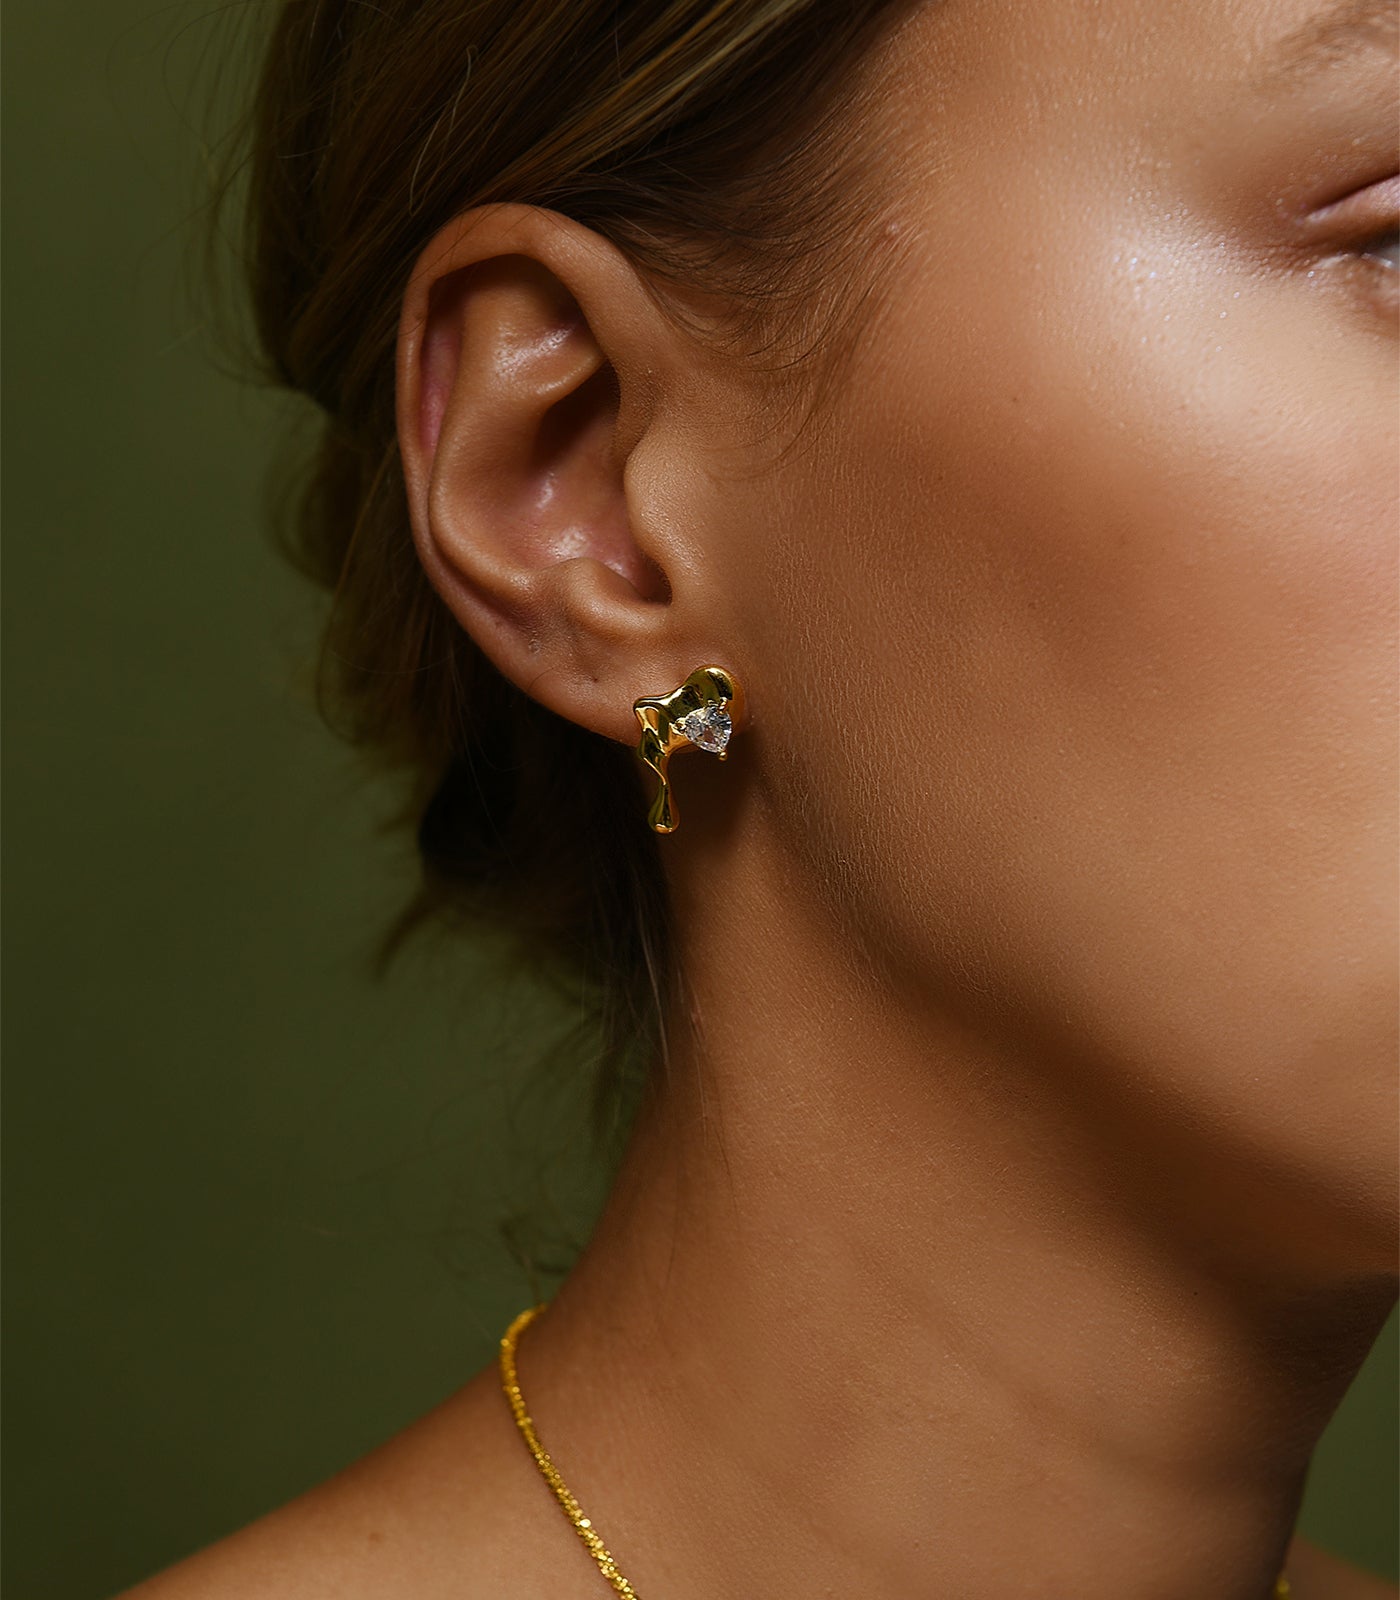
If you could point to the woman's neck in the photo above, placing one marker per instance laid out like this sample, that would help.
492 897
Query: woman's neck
886 1303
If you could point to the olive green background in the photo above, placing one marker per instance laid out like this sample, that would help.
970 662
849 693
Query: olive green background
257 1205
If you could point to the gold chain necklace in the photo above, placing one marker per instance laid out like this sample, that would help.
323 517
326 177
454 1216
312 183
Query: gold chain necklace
583 1526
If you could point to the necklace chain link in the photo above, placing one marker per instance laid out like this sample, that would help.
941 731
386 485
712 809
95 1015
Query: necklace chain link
583 1525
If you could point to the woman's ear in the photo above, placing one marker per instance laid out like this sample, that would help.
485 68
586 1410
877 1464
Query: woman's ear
530 356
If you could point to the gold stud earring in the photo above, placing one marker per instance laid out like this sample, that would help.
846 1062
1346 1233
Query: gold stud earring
702 712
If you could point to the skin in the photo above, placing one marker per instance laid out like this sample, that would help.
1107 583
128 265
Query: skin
1020 1198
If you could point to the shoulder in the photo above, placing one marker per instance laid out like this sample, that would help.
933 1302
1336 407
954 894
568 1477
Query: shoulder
449 1507
452 1507
1317 1574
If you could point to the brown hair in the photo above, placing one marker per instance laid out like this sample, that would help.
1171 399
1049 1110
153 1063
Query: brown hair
705 138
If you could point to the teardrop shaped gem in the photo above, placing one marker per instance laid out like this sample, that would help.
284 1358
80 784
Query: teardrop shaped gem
709 727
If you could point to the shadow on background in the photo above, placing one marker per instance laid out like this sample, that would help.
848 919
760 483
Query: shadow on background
258 1208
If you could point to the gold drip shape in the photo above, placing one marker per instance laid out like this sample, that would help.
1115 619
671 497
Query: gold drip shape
704 694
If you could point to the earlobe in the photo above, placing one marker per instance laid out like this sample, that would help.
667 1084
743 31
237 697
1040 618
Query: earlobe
526 346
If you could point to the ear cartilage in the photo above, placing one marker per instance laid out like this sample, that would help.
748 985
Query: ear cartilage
702 712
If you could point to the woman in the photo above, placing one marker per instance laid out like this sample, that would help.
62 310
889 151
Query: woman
989 411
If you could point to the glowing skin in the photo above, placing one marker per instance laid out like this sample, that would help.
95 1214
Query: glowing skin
1022 1199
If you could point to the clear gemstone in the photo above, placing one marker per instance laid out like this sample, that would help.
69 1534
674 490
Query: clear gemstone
708 727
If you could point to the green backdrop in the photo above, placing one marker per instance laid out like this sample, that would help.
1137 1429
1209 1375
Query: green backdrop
256 1204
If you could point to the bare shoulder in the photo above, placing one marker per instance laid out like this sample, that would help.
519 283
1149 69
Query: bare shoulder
453 1507
1317 1574
450 1506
